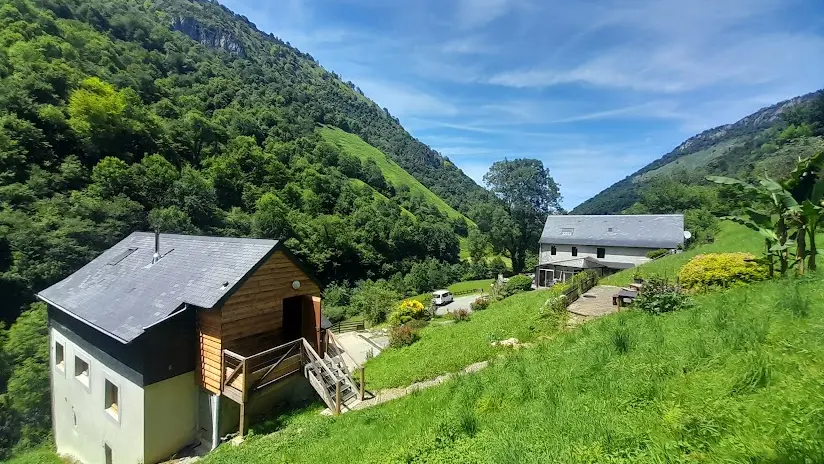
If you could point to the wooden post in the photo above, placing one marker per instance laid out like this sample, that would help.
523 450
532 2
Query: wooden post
242 426
362 382
337 398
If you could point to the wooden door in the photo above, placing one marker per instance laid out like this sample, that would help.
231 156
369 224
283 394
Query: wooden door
311 320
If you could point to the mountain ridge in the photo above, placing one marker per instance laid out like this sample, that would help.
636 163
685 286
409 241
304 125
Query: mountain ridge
622 195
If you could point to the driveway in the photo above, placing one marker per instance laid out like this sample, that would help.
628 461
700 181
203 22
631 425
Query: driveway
461 302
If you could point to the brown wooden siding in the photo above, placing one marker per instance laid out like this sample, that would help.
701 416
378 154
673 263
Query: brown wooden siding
255 309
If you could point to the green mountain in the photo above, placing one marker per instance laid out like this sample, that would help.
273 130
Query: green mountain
401 180
756 143
182 116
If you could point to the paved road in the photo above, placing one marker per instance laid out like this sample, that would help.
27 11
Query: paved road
461 302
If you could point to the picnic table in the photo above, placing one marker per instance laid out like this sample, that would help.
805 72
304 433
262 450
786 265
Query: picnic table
619 297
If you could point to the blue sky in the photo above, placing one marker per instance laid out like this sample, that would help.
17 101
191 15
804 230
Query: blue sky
595 89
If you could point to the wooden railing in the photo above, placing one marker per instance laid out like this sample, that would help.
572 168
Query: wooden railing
347 326
575 291
334 349
243 375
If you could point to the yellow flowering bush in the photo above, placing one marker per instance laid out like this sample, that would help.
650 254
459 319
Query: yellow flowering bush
723 270
406 311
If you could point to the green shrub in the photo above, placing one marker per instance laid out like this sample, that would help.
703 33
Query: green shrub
517 284
556 304
480 303
658 296
459 315
402 335
720 270
657 253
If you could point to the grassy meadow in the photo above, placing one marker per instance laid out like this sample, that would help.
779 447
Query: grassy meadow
450 347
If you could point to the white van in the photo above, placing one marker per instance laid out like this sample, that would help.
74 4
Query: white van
441 297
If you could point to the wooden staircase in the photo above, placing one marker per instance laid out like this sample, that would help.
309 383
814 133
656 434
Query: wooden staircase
246 376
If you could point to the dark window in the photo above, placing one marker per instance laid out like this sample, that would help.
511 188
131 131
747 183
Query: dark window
601 252
59 355
552 251
121 256
574 251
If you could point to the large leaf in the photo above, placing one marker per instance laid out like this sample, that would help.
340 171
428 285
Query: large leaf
780 195
730 181
818 192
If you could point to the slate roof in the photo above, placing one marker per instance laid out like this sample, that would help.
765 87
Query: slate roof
641 231
122 293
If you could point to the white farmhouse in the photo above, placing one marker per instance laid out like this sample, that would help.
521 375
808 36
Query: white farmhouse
570 244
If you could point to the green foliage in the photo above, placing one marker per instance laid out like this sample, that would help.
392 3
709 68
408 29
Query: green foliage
374 300
402 335
408 310
478 243
27 400
720 270
658 296
516 284
529 194
654 254
480 303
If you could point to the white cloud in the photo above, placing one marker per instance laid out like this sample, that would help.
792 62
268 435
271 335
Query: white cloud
678 68
475 13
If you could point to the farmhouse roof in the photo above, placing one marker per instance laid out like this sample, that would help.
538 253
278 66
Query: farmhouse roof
641 231
123 292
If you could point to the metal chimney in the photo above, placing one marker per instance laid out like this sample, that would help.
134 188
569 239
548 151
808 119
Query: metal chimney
156 256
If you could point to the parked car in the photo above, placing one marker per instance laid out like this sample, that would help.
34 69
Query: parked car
441 297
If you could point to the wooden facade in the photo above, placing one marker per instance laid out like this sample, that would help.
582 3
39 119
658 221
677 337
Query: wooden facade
252 319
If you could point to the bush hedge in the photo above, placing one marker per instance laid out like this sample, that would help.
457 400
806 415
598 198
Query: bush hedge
720 270
657 253
480 303
408 310
517 284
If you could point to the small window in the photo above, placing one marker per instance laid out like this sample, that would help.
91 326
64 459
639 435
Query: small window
574 251
552 251
107 454
567 232
59 356
112 404
81 371
601 252
610 230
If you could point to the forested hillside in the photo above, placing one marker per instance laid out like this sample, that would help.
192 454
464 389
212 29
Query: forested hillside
770 139
180 115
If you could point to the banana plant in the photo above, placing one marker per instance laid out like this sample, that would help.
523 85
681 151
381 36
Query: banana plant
772 225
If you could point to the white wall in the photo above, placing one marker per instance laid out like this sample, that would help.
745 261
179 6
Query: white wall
81 424
170 415
630 255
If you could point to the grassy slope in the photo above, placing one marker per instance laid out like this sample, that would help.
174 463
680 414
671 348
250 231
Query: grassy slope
693 160
451 347
732 237
37 456
395 174
736 378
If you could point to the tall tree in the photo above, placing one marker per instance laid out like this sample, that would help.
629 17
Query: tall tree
529 194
